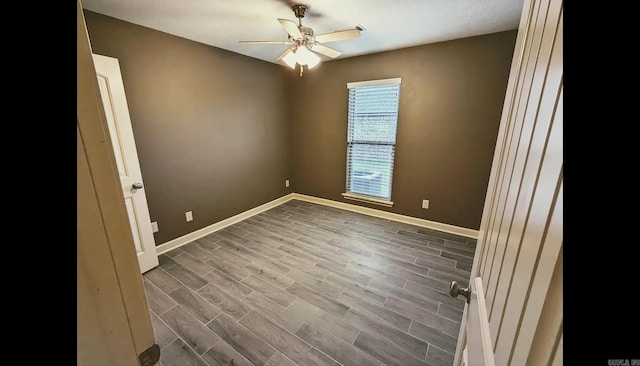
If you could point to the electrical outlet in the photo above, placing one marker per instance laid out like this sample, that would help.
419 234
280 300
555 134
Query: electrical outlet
154 227
425 204
189 215
286 183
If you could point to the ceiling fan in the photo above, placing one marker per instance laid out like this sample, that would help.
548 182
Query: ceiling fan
304 43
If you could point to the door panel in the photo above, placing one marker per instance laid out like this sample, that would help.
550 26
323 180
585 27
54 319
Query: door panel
542 291
506 144
126 155
113 129
517 157
537 156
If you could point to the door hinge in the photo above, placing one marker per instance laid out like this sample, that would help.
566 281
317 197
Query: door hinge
150 356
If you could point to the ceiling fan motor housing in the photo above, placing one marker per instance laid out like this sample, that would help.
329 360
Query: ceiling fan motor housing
299 10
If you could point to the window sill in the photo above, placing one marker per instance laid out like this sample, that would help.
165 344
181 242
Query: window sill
368 199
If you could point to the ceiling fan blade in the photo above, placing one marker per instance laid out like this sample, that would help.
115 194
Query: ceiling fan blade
291 28
327 51
266 42
338 36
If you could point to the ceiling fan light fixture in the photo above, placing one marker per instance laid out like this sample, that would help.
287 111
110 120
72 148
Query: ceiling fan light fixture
306 57
304 44
312 63
290 59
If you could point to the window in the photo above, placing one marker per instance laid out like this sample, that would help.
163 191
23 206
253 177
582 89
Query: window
371 139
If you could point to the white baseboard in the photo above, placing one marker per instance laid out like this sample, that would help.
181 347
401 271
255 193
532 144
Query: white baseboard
469 233
185 239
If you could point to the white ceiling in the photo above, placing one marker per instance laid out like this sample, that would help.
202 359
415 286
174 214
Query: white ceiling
388 24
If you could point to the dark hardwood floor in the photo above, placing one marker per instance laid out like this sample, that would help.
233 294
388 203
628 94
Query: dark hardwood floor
306 284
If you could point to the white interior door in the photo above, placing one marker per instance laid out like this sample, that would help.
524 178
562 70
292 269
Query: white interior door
124 147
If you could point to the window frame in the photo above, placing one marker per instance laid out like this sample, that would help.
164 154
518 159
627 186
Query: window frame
378 200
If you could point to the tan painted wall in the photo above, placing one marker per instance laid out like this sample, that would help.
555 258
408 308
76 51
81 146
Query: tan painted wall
450 103
218 133
210 125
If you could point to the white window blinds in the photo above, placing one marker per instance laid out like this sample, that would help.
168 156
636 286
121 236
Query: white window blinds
371 136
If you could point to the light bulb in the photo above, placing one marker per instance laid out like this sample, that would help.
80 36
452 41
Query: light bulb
304 56
290 59
300 53
314 61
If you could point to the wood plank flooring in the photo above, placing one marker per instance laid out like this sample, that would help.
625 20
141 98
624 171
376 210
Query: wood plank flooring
305 284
